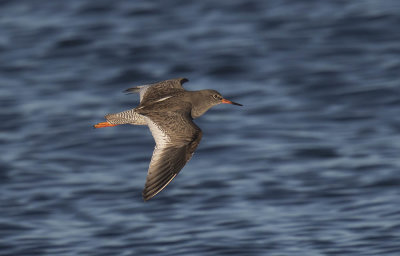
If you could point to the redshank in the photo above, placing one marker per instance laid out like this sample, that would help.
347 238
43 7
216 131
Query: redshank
168 110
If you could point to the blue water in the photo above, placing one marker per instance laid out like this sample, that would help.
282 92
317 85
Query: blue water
309 166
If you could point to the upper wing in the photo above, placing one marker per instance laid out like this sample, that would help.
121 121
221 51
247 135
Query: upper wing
175 145
158 90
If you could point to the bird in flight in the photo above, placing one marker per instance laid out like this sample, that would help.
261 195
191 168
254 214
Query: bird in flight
168 110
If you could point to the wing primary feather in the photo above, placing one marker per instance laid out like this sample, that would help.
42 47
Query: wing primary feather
159 183
147 195
157 179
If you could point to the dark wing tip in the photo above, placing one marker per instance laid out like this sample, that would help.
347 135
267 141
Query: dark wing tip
155 186
135 89
183 80
128 91
146 197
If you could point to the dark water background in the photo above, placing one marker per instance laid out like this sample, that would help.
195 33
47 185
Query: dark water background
309 166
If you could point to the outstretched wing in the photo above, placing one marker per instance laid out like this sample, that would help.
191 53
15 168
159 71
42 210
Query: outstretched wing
176 137
153 92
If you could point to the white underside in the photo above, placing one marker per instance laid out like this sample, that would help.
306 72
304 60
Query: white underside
159 136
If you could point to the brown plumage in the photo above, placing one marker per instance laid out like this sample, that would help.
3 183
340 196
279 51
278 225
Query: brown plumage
168 109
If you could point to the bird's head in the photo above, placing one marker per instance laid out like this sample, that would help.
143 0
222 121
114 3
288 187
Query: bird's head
216 98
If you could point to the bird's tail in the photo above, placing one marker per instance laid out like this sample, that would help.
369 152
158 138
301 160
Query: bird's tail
126 117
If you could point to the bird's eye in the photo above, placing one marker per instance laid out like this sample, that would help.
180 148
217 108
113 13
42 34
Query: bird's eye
216 96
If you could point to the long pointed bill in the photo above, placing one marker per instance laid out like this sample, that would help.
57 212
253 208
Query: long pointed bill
104 124
230 102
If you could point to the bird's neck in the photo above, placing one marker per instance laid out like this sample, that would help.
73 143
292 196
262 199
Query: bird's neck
200 104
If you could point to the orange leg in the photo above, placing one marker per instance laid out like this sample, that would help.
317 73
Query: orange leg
104 124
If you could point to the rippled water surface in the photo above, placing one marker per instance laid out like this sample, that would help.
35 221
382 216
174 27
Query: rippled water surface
309 166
